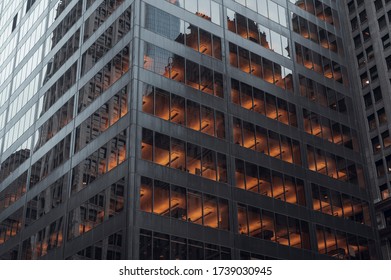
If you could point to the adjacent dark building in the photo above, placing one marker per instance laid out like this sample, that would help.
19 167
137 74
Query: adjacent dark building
186 129
369 30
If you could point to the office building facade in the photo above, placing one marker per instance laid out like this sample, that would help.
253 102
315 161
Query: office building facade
181 129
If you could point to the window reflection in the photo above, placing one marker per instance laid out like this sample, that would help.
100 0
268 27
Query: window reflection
175 153
55 156
110 248
341 245
259 223
261 180
329 130
11 226
101 14
108 39
182 70
96 210
13 192
267 8
105 78
334 166
103 160
184 112
46 201
323 95
45 240
319 9
315 33
261 67
320 64
180 203
103 118
206 9
257 33
265 141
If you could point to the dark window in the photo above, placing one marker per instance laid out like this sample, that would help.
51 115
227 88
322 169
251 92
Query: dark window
378 4
382 22
363 16
387 217
360 59
386 41
377 94
370 53
357 41
366 35
367 100
14 22
371 122
380 168
386 139
354 23
381 114
373 73
351 7
29 4
376 144
388 62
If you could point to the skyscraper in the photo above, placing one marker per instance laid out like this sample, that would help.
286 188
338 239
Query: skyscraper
370 34
181 129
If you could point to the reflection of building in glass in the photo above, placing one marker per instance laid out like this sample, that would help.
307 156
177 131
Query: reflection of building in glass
180 130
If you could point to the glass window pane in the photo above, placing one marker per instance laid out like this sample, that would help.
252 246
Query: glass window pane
220 125
210 211
162 101
192 74
177 112
146 194
294 232
178 203
148 99
147 144
265 186
161 203
268 226
222 168
191 38
290 189
242 220
205 42
162 149
207 80
223 214
254 222
194 204
217 47
208 164
193 159
191 6
251 177
215 13
177 156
